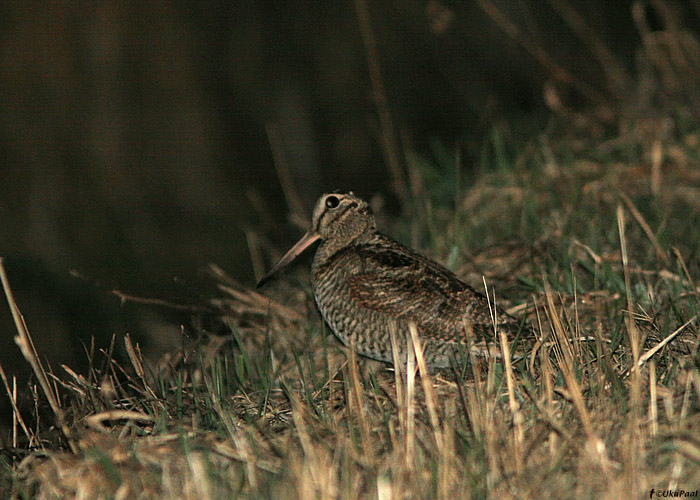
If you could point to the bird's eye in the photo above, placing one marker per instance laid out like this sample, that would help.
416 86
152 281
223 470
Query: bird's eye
332 202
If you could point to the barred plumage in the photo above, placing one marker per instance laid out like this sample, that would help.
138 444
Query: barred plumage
366 284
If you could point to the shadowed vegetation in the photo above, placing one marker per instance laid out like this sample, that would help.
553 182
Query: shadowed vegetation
270 405
589 229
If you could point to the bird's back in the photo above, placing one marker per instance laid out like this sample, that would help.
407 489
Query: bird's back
366 289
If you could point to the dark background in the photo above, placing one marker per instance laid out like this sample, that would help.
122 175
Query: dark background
142 140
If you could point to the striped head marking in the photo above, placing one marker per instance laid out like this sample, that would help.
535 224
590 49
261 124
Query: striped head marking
342 217
338 220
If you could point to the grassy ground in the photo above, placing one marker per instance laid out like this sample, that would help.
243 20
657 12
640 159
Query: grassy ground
599 247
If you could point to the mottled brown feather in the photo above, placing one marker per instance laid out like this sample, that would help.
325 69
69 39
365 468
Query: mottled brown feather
404 284
367 285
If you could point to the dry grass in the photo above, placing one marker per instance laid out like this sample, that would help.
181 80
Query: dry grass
597 245
606 406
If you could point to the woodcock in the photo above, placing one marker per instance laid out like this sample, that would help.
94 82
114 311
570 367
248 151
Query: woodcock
366 284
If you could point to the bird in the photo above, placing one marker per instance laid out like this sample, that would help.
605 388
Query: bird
368 287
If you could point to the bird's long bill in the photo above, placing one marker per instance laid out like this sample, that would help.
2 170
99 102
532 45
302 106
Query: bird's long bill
292 254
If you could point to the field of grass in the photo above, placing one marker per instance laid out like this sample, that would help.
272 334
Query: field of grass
598 246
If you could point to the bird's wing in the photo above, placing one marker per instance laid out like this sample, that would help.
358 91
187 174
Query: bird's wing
410 287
